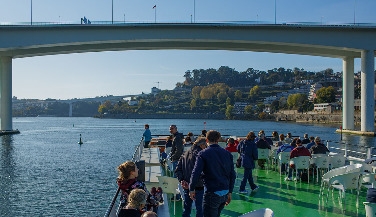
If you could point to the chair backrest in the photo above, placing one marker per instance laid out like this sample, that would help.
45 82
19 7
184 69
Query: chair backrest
368 180
334 172
347 180
337 160
264 212
235 156
354 168
321 161
168 184
284 157
301 162
370 209
263 153
222 144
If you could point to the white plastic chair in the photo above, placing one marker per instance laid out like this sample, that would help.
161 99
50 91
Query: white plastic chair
368 180
345 182
235 156
264 212
320 161
222 144
301 162
338 171
169 185
337 161
370 209
283 158
263 154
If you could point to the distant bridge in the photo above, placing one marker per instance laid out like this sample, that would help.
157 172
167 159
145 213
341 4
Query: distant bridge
338 41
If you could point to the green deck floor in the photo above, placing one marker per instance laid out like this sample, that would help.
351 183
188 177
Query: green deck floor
287 198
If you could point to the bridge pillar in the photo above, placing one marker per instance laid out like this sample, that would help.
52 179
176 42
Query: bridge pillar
70 109
348 94
367 91
6 92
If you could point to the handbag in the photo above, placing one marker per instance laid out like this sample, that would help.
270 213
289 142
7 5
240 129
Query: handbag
238 162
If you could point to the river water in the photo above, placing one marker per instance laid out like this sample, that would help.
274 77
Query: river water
45 172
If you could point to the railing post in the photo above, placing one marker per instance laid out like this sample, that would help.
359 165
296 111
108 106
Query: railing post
369 151
346 150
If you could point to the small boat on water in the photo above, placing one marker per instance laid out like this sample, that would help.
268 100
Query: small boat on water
285 198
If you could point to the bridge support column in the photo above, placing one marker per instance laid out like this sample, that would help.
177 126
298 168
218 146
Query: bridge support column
367 91
70 109
348 94
6 93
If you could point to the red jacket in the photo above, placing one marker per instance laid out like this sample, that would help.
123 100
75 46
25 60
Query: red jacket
231 147
299 151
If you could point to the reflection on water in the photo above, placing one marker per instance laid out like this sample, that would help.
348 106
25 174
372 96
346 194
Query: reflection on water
7 167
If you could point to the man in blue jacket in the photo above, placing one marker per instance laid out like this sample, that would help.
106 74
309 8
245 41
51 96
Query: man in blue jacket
147 136
216 167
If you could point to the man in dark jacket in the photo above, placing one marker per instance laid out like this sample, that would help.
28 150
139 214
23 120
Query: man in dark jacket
262 144
319 148
217 167
183 173
177 147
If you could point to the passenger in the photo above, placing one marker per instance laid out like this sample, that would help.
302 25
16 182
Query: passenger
203 133
288 138
127 181
262 144
284 148
164 154
190 134
147 136
231 145
188 142
275 136
293 143
305 139
269 140
300 150
183 173
136 203
248 152
216 166
149 214
177 148
258 135
319 148
281 141
312 142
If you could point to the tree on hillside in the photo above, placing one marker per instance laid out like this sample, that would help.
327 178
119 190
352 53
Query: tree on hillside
297 100
325 95
229 111
254 92
196 92
238 95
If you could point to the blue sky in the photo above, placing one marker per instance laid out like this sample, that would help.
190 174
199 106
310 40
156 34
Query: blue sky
133 72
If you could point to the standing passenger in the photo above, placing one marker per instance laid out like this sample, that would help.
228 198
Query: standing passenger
147 136
177 147
248 151
216 166
183 173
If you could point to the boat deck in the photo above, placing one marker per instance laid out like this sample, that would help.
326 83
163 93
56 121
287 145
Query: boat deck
287 198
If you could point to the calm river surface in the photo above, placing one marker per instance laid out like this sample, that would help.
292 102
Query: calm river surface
44 172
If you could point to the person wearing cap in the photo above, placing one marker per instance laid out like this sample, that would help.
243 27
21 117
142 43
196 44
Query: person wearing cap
136 203
216 166
184 171
319 148
248 152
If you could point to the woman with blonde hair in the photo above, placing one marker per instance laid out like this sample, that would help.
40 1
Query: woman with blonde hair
136 203
127 181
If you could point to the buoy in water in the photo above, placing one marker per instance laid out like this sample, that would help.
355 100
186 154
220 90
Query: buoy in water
80 142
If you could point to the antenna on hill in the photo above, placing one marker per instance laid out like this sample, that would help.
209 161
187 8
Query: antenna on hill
158 83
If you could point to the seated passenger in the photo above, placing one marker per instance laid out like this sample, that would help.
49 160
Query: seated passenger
319 148
231 145
262 144
281 140
127 182
136 203
312 142
300 150
305 139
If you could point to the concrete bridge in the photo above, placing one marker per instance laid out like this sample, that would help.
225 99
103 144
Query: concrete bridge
338 41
